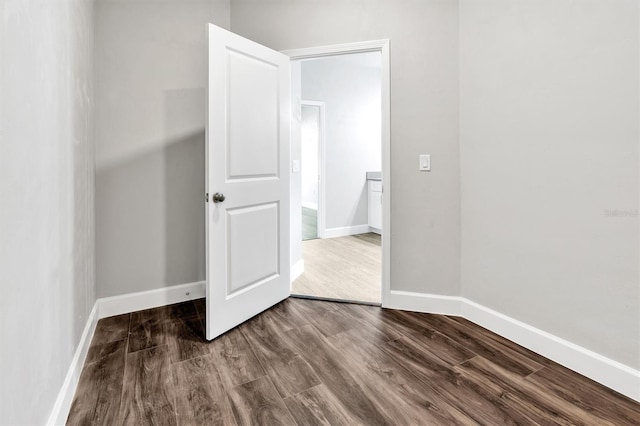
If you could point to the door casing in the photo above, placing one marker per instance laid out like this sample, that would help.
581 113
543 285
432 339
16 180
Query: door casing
381 46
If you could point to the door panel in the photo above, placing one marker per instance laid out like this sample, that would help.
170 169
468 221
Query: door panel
254 232
247 161
253 116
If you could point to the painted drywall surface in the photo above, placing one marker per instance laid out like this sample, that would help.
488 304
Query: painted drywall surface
46 188
350 87
549 158
309 154
150 111
425 221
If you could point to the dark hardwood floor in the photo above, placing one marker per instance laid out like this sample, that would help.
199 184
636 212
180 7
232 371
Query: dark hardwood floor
313 362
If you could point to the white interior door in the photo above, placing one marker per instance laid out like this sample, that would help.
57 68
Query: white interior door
248 165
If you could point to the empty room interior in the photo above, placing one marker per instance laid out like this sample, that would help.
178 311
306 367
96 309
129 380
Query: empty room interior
339 212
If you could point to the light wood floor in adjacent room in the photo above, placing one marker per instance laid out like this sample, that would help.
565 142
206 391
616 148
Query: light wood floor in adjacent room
310 362
347 268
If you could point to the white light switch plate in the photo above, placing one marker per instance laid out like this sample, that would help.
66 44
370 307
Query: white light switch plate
295 166
425 163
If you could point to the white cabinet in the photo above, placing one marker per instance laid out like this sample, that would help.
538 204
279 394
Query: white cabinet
375 205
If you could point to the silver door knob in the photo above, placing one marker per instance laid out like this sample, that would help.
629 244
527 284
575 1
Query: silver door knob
218 198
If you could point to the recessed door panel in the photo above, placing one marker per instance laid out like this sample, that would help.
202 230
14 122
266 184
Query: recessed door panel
253 248
252 145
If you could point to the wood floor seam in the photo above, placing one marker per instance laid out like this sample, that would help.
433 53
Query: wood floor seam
280 396
249 381
533 372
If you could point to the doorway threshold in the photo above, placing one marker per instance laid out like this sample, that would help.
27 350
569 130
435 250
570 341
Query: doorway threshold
330 299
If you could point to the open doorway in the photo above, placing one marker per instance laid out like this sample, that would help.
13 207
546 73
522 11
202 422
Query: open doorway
340 132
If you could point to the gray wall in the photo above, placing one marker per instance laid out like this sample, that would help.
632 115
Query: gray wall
549 150
425 234
46 199
350 86
150 87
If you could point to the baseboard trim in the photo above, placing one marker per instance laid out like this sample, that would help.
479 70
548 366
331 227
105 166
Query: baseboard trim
123 304
421 302
613 374
345 231
62 406
610 373
297 270
375 230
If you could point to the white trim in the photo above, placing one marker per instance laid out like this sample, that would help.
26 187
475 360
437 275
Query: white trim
386 172
606 371
297 270
133 302
336 49
62 406
381 46
422 302
597 367
345 231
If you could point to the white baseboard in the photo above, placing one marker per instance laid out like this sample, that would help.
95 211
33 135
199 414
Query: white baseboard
62 406
606 371
420 302
345 231
133 302
599 368
297 269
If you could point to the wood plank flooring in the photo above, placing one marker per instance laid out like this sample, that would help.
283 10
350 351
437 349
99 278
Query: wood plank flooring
311 362
346 268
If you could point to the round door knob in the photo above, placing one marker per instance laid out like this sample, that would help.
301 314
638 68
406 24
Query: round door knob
218 198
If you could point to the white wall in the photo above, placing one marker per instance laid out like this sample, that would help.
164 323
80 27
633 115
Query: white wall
425 207
151 80
46 199
309 141
549 135
350 87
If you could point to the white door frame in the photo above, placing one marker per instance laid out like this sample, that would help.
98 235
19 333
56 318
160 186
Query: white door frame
381 46
321 164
